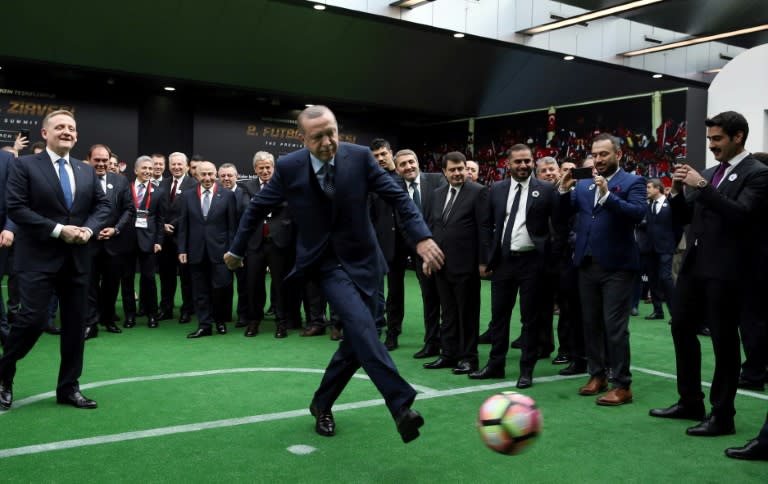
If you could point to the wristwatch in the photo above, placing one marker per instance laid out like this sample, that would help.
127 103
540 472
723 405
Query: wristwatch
702 183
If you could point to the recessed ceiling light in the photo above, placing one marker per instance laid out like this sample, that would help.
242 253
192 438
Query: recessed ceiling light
169 88
317 6
657 76
568 57
458 35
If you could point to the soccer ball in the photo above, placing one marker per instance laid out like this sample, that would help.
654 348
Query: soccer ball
508 422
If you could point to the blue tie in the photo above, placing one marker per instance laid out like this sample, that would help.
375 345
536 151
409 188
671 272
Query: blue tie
206 203
66 187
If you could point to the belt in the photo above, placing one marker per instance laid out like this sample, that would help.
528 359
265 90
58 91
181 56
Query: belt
520 253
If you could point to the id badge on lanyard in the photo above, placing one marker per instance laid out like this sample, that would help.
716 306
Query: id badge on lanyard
142 216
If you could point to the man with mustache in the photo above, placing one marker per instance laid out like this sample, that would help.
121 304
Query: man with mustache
722 204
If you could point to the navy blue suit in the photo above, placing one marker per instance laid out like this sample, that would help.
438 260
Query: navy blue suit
205 240
336 246
608 259
662 234
36 204
5 224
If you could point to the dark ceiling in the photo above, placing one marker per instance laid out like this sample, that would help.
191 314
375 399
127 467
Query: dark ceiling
284 51
696 17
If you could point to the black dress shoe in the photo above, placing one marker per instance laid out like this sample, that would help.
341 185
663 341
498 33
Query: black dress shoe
575 368
464 368
270 312
487 373
428 351
439 363
324 423
391 342
91 331
242 324
336 334
561 359
281 332
485 338
164 315
221 328
52 329
252 330
185 318
408 423
751 385
77 400
516 344
524 381
6 396
752 450
313 330
680 411
200 332
112 328
130 322
704 332
712 426
654 316
152 322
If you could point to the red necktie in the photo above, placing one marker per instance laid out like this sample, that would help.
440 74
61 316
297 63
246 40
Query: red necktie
173 190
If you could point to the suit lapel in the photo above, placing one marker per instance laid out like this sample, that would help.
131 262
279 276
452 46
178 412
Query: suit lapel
731 183
45 165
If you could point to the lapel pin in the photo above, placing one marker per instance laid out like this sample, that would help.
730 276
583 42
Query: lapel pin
109 185
732 176
535 194
592 187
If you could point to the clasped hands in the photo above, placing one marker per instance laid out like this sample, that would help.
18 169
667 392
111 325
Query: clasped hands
72 234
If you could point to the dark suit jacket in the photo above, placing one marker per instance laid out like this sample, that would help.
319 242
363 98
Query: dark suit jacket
546 227
385 224
145 239
722 239
342 224
463 237
122 214
428 183
662 232
6 159
172 211
210 236
36 204
281 230
609 227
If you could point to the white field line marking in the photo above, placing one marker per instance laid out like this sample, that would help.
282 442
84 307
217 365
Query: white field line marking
190 374
215 424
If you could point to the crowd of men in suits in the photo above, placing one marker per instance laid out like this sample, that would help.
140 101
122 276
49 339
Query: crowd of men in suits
549 235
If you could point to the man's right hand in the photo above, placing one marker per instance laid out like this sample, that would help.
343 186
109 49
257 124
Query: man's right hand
233 263
567 182
71 234
168 228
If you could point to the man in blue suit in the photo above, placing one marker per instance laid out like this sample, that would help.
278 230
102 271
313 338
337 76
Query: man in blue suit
207 224
7 229
609 206
663 233
327 184
58 205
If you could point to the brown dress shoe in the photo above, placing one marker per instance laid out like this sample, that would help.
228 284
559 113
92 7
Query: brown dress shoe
617 396
595 385
252 330
335 334
313 331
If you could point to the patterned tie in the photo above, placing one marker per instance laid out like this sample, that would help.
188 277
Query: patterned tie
718 176
173 189
416 196
449 206
329 184
506 241
206 202
66 186
140 194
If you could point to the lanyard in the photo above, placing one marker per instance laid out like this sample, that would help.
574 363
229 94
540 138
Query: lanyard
147 195
200 191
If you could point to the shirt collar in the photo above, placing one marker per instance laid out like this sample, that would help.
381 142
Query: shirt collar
54 157
738 159
524 184
317 164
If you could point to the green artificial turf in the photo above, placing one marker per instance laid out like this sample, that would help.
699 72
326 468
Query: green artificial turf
253 394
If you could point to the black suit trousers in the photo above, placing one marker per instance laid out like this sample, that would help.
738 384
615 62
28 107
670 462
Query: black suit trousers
460 306
361 345
659 270
147 285
754 332
718 304
170 269
430 300
515 274
36 290
103 280
280 261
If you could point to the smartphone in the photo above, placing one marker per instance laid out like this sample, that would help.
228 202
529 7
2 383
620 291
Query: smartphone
24 133
581 173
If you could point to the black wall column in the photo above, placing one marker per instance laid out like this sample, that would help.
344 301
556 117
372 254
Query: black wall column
165 125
